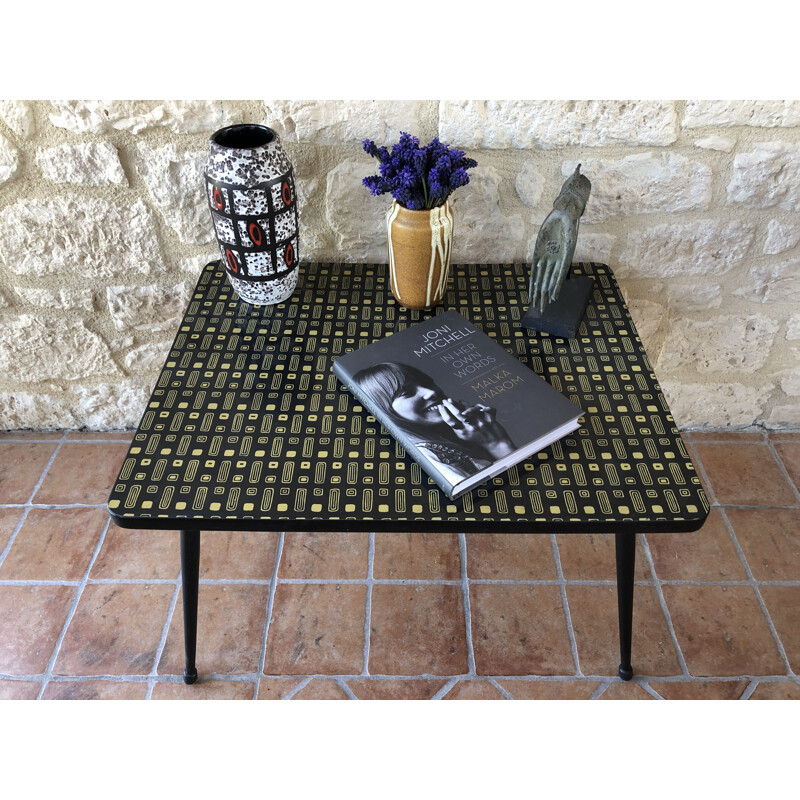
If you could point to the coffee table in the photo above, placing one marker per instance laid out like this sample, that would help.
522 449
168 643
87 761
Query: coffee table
248 429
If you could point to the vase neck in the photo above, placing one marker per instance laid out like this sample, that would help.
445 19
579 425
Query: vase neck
401 209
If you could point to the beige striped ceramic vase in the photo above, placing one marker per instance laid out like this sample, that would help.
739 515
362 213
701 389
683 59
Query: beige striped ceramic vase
419 254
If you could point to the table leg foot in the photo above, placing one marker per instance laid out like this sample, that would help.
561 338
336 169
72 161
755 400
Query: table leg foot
626 558
190 584
626 673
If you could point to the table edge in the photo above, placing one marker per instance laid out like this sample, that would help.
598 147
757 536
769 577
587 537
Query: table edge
687 525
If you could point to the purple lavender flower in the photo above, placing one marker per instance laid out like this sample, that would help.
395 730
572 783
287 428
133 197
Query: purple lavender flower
376 185
417 177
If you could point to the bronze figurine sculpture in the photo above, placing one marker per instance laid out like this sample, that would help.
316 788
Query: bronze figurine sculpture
557 300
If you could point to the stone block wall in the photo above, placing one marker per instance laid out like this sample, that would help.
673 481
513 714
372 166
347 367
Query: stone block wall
695 205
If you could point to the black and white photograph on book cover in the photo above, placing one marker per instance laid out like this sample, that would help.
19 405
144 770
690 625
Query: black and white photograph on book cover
456 400
460 438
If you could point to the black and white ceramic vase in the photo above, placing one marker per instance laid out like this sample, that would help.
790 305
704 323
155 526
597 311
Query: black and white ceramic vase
251 194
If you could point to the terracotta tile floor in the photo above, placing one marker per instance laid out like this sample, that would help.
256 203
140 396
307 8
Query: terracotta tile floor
91 611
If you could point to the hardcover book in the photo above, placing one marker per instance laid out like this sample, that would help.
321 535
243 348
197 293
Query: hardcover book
463 407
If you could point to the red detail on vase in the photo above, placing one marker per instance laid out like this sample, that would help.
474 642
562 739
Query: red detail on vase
286 193
232 262
288 255
255 233
219 201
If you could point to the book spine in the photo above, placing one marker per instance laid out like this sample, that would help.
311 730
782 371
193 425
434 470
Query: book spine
399 435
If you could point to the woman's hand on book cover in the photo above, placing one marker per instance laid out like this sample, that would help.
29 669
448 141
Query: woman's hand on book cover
476 425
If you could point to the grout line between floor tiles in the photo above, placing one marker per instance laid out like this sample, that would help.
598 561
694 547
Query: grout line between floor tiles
706 483
740 442
55 506
342 684
754 584
728 583
448 686
599 691
573 642
242 677
163 640
443 582
36 582
465 583
273 585
99 441
716 678
299 687
650 690
64 435
106 678
235 581
504 692
17 529
783 469
368 601
366 581
165 581
734 506
26 440
748 690
663 603
29 504
46 469
71 613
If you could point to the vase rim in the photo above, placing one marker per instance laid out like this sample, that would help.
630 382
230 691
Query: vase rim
244 136
420 210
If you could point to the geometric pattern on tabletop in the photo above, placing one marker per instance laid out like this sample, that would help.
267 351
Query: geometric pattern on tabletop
248 428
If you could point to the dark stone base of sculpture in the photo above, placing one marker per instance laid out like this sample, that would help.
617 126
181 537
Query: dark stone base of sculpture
563 316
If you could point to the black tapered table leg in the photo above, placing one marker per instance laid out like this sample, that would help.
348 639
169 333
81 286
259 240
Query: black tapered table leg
190 582
626 556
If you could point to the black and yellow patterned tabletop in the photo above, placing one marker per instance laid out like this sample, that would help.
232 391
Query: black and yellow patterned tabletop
249 429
